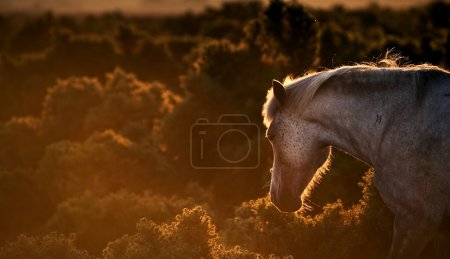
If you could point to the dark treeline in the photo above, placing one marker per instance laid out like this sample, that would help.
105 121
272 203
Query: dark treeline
95 124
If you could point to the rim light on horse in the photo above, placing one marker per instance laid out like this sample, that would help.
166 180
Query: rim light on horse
396 119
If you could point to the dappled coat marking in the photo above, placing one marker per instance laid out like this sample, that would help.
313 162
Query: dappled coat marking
396 119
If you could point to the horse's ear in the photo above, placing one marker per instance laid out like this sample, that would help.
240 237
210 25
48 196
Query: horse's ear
278 91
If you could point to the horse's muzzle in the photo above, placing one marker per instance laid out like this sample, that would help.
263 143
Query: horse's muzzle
286 204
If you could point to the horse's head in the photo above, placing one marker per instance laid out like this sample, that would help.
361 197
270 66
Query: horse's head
298 153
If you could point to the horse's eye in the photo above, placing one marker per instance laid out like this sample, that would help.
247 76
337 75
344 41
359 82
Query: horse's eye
269 135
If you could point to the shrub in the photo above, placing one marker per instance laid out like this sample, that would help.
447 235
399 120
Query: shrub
66 104
20 142
287 35
191 235
52 246
99 219
104 162
363 231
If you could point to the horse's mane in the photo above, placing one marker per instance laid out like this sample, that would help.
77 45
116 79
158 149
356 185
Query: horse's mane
301 90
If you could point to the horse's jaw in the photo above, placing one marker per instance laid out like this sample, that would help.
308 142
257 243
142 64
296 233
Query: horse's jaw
285 205
287 190
285 199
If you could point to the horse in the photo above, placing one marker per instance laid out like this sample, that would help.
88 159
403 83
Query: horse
394 118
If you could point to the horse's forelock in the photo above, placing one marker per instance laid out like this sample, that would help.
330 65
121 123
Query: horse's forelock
270 107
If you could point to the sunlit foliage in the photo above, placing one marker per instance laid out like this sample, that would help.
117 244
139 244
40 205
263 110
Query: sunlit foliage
91 217
336 232
95 124
51 246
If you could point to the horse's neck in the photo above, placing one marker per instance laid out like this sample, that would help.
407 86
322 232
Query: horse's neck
355 123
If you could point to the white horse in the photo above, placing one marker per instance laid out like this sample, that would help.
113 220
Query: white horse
396 119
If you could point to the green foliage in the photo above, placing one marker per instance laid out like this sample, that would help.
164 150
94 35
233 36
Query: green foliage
213 87
339 46
287 35
21 207
20 142
51 246
105 162
39 29
129 105
363 229
88 148
191 235
72 97
90 217
123 103
343 166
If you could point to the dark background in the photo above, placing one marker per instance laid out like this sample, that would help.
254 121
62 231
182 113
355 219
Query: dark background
95 120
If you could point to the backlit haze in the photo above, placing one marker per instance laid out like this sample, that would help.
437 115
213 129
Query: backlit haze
165 6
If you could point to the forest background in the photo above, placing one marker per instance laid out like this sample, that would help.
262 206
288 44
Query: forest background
95 121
